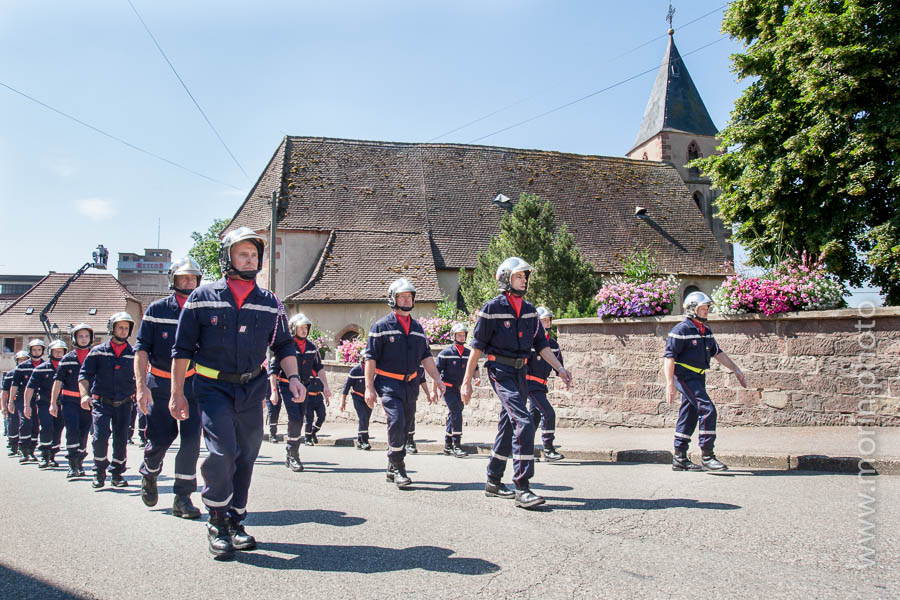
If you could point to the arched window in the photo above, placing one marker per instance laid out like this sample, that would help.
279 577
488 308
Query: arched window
348 333
693 152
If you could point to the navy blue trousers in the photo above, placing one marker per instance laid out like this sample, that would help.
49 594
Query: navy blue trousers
543 414
51 429
314 407
695 407
29 429
163 429
296 411
454 417
110 420
399 403
12 429
515 429
232 419
363 414
78 427
273 412
141 419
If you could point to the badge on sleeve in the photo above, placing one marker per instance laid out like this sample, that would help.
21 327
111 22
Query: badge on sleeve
214 320
506 324
391 339
165 335
694 342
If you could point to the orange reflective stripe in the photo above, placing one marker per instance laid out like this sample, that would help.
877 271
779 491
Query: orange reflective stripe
71 394
409 377
450 385
357 393
283 380
538 379
313 393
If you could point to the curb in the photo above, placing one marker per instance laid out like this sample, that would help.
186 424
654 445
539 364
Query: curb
784 462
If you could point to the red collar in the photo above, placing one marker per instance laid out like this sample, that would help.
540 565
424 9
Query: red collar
460 348
404 322
700 326
54 362
515 302
181 300
118 348
81 353
36 361
301 344
240 289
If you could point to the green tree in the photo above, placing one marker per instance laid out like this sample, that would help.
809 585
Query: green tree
206 249
562 280
814 138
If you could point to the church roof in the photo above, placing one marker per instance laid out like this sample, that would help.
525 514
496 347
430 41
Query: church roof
675 103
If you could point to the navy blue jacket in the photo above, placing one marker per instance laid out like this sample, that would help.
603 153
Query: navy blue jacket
20 376
452 366
498 330
687 345
67 373
6 383
356 381
309 363
395 351
110 376
41 380
538 367
156 335
215 334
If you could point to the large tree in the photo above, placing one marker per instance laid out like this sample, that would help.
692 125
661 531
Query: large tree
814 138
562 280
206 249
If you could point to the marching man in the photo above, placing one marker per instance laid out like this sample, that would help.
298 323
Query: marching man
8 404
538 373
506 331
29 425
225 327
451 363
689 347
356 385
394 350
65 387
41 383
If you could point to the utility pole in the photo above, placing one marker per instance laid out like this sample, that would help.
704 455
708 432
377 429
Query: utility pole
272 224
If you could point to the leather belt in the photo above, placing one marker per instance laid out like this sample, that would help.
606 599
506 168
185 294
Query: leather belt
397 376
538 379
516 363
227 377
111 402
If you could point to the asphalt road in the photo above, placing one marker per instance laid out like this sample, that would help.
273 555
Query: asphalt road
338 530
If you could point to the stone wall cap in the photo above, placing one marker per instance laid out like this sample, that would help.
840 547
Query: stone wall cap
843 313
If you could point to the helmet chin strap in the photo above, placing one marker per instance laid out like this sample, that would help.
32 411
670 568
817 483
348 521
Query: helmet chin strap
182 292
119 339
248 275
518 293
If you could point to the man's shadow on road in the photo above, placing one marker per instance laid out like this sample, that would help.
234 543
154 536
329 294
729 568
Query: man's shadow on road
296 517
447 486
570 503
319 466
363 559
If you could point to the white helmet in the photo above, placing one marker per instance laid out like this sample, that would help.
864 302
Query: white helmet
37 342
693 301
58 344
398 287
21 355
458 328
184 266
118 318
511 265
241 234
544 313
82 327
298 320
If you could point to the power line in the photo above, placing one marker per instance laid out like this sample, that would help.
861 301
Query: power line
626 53
118 139
190 95
591 95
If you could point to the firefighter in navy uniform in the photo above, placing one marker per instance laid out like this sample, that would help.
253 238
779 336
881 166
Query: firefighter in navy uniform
394 350
273 412
356 386
689 347
506 331
65 388
318 394
107 385
451 364
152 371
8 404
538 373
225 327
41 384
411 410
29 425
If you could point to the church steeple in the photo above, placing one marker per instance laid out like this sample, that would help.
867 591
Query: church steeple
675 103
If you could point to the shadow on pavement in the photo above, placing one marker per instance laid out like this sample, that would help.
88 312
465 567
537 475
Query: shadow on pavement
363 559
15 584
559 503
295 517
446 486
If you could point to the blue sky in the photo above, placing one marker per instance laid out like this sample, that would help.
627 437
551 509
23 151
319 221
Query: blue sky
400 71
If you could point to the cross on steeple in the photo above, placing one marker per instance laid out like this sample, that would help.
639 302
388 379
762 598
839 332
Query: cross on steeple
669 17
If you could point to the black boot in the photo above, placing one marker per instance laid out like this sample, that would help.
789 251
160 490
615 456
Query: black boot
315 438
711 463
458 452
273 434
358 444
240 539
184 508
411 446
220 545
292 460
551 455
81 472
401 479
308 440
118 481
149 493
53 462
13 448
525 498
24 458
44 463
99 479
681 462
497 490
73 470
366 445
448 446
